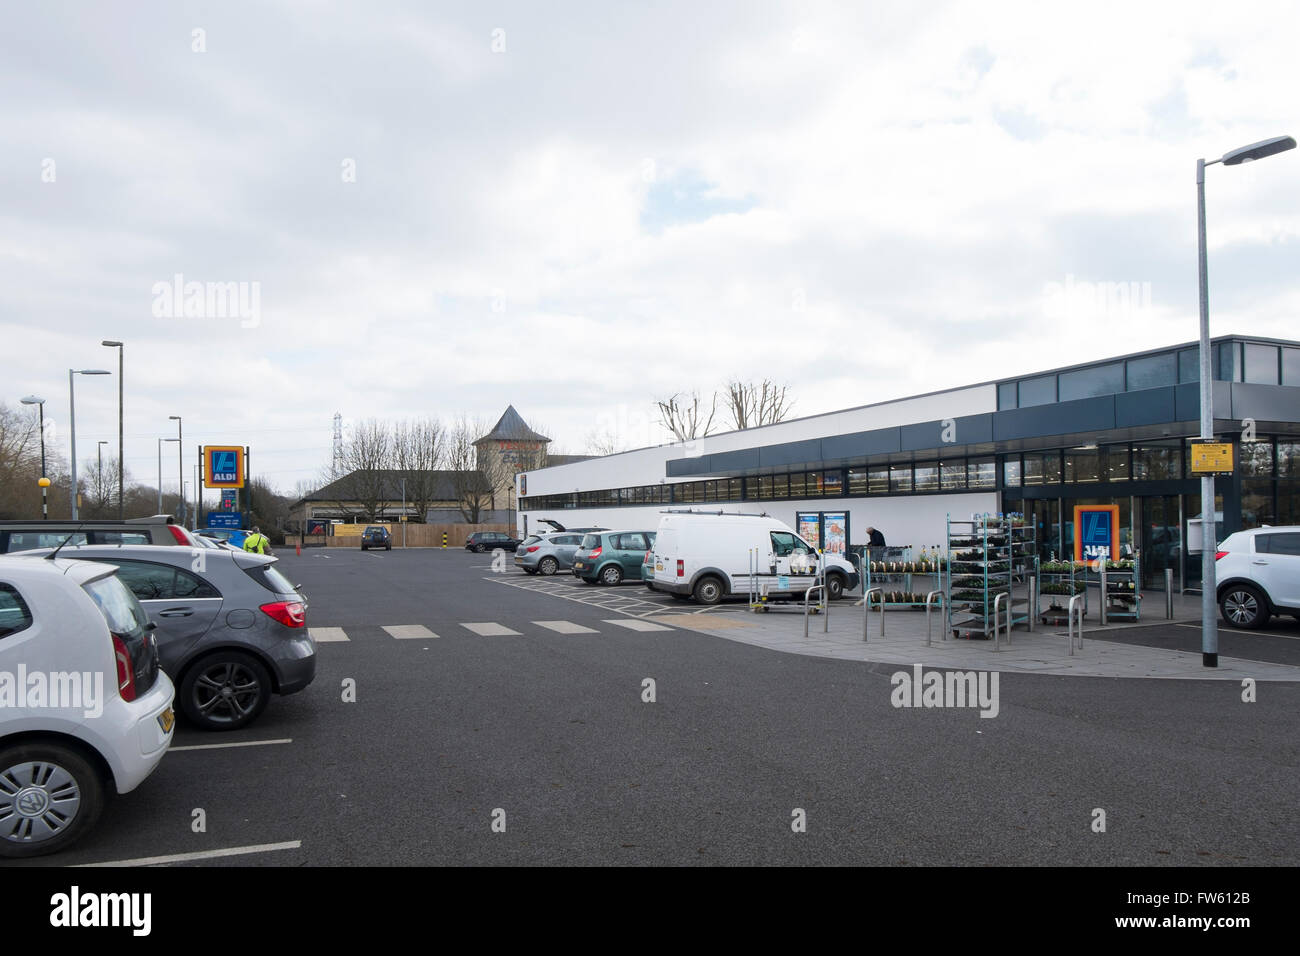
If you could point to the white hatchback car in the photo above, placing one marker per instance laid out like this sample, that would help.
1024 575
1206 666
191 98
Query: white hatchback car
1258 575
84 707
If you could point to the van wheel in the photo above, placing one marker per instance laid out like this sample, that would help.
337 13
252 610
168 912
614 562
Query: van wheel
50 796
611 575
708 591
834 586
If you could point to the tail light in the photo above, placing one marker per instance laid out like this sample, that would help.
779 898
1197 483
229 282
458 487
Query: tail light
288 613
646 559
125 673
595 552
681 568
180 534
1219 554
533 547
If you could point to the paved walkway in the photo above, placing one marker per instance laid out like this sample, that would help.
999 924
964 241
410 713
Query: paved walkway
1043 651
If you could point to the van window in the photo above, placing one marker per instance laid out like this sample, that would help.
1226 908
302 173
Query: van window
785 543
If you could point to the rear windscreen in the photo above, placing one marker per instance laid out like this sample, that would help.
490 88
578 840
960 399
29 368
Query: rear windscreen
532 539
127 621
270 578
590 541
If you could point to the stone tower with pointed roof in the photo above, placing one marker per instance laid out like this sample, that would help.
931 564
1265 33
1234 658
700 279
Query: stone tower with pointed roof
509 448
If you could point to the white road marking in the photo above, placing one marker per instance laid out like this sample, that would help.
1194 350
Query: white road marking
242 743
409 632
198 855
491 629
326 635
636 624
1233 630
566 627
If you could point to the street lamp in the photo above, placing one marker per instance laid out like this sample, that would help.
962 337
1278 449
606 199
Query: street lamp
180 462
160 444
72 424
1209 534
44 482
121 458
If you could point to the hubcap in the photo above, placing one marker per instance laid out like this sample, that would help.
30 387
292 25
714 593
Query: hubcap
1241 607
226 692
38 801
611 576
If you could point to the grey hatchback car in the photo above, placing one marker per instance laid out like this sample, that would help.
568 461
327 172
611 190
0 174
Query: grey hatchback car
231 629
547 553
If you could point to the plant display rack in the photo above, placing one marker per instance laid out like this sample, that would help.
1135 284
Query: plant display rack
1058 582
905 583
1123 596
988 555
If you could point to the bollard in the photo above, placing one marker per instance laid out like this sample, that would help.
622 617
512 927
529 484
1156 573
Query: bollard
1105 598
866 606
444 539
1033 601
1069 622
1169 593
929 604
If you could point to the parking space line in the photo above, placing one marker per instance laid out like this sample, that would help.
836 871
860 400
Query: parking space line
636 624
566 627
491 629
240 743
327 635
409 632
1233 630
198 855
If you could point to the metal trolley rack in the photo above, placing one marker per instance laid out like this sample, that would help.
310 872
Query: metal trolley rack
897 580
1058 582
992 568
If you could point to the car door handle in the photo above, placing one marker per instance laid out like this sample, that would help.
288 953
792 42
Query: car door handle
1259 562
176 612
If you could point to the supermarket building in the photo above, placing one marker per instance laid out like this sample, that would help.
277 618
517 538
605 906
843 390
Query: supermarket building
1114 431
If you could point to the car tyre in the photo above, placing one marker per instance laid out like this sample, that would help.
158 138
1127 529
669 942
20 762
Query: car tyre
1244 606
611 575
708 590
477 549
835 586
548 565
54 778
203 697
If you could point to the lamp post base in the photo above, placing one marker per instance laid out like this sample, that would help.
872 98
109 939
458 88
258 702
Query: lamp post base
1209 660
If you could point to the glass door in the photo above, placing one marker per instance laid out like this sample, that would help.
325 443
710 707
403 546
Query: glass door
1160 540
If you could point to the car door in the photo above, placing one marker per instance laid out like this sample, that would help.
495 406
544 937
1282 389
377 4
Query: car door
567 547
1276 565
631 552
181 603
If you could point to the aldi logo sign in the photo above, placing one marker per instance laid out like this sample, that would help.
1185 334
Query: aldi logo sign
1096 532
223 466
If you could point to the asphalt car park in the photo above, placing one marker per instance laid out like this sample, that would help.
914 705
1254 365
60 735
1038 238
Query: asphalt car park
445 700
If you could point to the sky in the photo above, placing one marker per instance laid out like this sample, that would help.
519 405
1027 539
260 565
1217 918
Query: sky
392 210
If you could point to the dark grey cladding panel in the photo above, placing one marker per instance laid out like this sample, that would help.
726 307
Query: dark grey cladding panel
1063 418
790 453
728 462
1148 406
881 441
1188 401
966 430
685 467
1271 403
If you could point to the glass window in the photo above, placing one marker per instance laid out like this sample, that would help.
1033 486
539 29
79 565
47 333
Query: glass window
1152 371
878 480
15 616
1256 503
1037 391
857 481
148 582
189 586
780 486
1007 395
900 477
1189 365
1114 463
1260 364
1256 458
982 473
1052 468
28 540
1226 362
1011 471
1288 459
734 486
1290 366
1087 382
926 477
1157 461
764 484
833 483
1081 465
1284 543
952 474
797 485
785 544
1032 471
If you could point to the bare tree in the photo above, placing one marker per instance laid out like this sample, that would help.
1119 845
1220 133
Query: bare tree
751 404
684 415
603 442
419 448
473 493
101 488
20 462
365 485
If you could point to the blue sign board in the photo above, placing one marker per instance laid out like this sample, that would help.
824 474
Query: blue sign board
217 520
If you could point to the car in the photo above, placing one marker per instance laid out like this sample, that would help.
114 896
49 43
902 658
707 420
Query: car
231 629
706 556
110 722
27 535
232 536
547 553
481 541
376 536
1257 575
556 526
610 557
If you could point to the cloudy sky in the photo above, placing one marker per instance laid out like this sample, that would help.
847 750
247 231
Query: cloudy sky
436 208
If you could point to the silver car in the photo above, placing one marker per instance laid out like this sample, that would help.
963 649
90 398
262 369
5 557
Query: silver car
231 629
547 553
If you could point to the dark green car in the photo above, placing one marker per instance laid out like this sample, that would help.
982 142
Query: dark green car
612 557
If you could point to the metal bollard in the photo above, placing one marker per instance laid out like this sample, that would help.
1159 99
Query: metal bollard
1033 601
1105 598
929 605
1069 622
866 607
1169 593
807 594
997 604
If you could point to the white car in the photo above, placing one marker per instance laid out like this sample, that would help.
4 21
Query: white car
84 707
1257 574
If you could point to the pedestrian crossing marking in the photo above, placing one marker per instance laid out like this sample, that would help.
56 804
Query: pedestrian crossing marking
636 624
409 632
326 635
491 629
566 627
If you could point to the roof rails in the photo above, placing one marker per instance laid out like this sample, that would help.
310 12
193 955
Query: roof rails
736 514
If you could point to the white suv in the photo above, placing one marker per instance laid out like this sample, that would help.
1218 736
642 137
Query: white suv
1258 575
84 706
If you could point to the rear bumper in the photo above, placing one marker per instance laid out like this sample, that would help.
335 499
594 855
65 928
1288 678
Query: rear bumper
295 664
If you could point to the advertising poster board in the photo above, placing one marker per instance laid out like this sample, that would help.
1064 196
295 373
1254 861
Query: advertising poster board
809 526
835 527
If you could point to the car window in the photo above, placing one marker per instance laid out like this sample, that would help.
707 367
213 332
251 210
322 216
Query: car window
14 613
532 539
147 581
28 540
270 578
119 537
125 617
192 586
590 541
632 542
573 539
1288 543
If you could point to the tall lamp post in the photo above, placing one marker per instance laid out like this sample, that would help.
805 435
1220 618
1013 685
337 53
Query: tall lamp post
1209 533
121 459
160 444
44 482
72 424
180 462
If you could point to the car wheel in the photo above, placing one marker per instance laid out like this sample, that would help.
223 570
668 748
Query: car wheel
611 575
477 549
225 691
708 591
834 586
548 566
1243 606
50 796
363 547
389 548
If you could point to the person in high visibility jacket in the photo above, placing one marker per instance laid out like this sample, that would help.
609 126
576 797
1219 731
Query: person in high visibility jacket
257 542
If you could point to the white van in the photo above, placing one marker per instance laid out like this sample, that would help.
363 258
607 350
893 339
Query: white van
707 556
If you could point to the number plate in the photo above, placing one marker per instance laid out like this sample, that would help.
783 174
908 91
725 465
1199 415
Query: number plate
577 564
166 720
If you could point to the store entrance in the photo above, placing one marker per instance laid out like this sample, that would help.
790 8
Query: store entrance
1160 540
